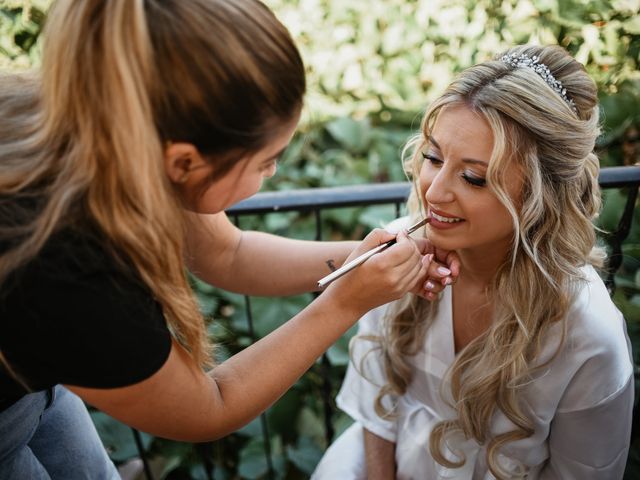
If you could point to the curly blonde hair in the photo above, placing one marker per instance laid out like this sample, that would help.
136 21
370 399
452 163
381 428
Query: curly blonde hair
554 237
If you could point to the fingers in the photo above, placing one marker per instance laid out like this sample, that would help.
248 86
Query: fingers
437 278
452 261
411 265
374 239
405 262
385 276
443 268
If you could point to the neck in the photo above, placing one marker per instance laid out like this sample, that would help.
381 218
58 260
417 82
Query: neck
479 266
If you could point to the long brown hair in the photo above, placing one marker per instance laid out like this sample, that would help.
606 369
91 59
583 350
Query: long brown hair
83 138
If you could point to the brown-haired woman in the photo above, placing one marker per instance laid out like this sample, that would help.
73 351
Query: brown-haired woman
144 109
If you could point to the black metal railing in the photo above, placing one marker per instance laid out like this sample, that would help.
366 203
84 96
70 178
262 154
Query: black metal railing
317 200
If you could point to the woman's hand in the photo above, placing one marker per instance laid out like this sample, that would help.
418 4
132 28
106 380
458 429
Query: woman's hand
443 268
384 277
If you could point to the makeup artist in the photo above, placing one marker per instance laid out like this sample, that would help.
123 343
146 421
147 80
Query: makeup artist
117 161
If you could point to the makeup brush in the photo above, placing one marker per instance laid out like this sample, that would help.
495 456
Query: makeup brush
347 267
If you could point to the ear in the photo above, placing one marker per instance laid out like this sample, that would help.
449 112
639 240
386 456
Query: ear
179 161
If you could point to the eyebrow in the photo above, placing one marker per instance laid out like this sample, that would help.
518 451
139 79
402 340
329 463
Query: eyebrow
465 160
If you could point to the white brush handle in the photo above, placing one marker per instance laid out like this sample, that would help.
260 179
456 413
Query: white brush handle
347 267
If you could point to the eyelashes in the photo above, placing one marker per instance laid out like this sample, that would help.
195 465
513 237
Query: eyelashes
473 180
275 162
470 178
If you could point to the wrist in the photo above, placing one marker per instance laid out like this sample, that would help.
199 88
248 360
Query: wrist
338 300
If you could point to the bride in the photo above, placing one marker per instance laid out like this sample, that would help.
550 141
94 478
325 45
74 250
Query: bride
521 368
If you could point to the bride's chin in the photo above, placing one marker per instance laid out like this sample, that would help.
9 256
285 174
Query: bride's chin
439 243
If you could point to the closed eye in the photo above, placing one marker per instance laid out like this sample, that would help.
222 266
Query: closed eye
432 159
474 180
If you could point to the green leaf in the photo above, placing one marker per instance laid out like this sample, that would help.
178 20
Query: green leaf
118 438
311 424
338 353
305 455
280 415
614 202
253 462
619 111
341 422
351 134
632 25
270 313
252 429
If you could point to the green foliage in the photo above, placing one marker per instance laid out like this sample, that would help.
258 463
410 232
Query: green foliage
20 32
118 438
373 66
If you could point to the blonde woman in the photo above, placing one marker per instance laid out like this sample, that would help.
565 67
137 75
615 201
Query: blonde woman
521 368
117 160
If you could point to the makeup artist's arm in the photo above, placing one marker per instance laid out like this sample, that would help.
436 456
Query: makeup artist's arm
182 402
257 263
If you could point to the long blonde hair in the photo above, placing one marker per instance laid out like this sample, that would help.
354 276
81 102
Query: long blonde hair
553 237
81 141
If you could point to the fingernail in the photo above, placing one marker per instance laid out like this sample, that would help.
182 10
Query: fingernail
447 281
444 271
429 285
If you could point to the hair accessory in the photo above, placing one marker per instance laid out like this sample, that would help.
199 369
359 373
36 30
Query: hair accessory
542 70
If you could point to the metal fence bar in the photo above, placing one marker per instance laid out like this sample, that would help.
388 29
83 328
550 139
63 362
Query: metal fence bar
325 364
263 417
307 200
616 239
142 454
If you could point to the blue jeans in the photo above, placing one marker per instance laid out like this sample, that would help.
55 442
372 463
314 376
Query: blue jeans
50 435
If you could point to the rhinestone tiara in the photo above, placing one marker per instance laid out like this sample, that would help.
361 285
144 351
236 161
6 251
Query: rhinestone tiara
542 70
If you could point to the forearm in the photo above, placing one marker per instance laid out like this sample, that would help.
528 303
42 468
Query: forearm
204 407
290 266
380 457
256 263
252 380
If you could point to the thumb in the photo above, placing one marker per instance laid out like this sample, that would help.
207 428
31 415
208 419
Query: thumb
402 237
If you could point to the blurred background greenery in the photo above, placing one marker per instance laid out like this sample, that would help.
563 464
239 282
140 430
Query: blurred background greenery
373 66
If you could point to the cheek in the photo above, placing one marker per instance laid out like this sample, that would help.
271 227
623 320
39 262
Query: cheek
424 181
497 219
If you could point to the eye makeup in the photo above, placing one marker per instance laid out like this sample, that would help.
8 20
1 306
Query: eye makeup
473 179
468 176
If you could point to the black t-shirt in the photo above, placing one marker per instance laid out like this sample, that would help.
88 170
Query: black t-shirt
75 315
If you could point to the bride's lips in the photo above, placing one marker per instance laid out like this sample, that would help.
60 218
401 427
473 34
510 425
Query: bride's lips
439 220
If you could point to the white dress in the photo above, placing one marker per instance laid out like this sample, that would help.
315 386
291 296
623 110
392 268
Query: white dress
581 404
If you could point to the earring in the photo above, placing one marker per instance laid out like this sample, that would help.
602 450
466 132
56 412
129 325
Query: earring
184 177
